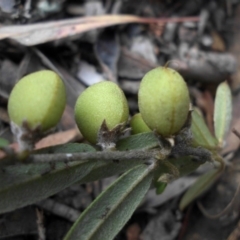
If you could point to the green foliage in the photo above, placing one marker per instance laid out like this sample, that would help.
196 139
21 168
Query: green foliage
142 159
222 111
199 187
138 141
24 184
104 218
203 137
160 187
201 134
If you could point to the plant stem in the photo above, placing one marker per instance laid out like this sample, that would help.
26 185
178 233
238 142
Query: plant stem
105 156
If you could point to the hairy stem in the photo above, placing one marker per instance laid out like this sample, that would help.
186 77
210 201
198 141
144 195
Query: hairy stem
105 155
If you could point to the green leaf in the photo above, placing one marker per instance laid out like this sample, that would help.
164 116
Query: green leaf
105 217
160 187
66 148
201 134
202 184
24 184
3 142
107 169
176 167
185 165
30 174
222 111
138 141
101 170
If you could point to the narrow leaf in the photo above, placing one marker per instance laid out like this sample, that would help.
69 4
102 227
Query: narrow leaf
23 177
21 186
107 169
201 134
222 111
24 184
184 166
33 34
160 187
138 141
199 187
105 217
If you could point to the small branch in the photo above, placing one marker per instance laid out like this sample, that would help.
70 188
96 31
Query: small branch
40 225
59 209
105 156
225 211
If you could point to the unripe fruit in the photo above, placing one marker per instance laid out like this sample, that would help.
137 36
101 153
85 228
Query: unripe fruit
163 100
38 99
138 125
99 102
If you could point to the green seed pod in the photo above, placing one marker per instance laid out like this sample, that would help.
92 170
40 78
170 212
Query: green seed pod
163 100
138 125
38 99
99 102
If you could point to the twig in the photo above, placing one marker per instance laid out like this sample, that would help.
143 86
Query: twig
105 156
40 225
59 209
225 211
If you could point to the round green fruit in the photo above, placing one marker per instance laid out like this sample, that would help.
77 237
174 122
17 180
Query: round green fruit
99 102
138 125
38 99
164 101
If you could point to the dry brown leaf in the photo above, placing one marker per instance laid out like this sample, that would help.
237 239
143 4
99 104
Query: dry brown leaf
67 121
218 43
51 140
33 34
59 138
